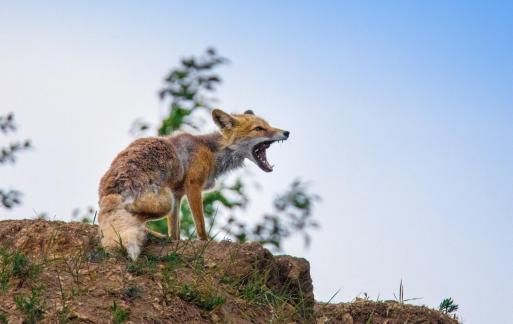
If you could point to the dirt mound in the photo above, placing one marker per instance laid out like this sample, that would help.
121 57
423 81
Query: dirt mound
384 312
57 272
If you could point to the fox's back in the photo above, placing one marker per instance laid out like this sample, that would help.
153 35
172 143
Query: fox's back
149 163
145 164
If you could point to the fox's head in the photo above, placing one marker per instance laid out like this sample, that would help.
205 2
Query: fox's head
249 135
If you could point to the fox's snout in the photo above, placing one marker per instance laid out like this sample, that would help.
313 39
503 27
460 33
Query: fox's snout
280 135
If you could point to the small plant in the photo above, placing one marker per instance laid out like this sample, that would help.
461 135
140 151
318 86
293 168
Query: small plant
203 294
447 306
401 294
131 292
144 264
172 259
256 290
15 265
370 319
98 254
119 314
5 273
225 279
135 268
64 312
285 306
74 264
3 318
31 306
204 299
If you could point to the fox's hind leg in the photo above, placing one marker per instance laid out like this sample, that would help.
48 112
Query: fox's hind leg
153 204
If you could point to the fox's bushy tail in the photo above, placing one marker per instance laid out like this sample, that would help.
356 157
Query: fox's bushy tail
120 229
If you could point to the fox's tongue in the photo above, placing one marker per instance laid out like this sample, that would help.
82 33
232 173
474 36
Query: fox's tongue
262 158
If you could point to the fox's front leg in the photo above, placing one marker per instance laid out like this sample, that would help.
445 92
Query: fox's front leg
173 218
193 192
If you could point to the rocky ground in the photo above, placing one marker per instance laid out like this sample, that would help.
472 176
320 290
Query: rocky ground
56 272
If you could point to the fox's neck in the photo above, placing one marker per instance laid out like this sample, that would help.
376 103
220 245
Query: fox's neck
226 159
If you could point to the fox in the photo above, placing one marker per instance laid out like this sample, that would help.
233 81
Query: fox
148 179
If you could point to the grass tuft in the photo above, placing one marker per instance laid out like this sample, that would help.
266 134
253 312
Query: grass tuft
143 265
204 299
448 306
119 314
98 254
131 292
32 306
15 265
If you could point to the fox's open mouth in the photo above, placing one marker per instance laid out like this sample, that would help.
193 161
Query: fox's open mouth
260 156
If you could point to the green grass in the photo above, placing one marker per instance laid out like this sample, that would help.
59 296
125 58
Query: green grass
285 306
98 254
202 293
172 259
144 264
447 306
119 314
31 306
3 319
207 300
256 290
131 292
15 264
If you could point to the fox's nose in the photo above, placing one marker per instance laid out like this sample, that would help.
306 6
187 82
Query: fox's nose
286 134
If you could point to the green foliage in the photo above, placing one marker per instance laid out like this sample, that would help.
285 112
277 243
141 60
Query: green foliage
285 307
131 292
21 266
206 300
447 306
172 260
255 290
15 265
98 254
119 314
143 264
32 306
186 90
292 214
202 293
10 198
3 318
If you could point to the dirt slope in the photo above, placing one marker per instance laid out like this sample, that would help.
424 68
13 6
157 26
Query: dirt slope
56 272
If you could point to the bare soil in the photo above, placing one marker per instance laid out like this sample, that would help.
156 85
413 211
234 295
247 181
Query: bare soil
67 277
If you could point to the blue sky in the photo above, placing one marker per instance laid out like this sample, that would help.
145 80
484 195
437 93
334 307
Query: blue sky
400 114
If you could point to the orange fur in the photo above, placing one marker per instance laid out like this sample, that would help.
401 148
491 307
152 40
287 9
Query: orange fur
148 179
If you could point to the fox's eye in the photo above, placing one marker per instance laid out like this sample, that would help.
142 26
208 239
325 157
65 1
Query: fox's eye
259 129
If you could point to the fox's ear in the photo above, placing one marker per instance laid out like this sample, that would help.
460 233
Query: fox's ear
223 120
249 112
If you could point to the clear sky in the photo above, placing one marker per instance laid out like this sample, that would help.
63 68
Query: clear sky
400 112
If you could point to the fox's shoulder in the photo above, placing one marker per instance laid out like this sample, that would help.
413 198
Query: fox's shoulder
191 142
